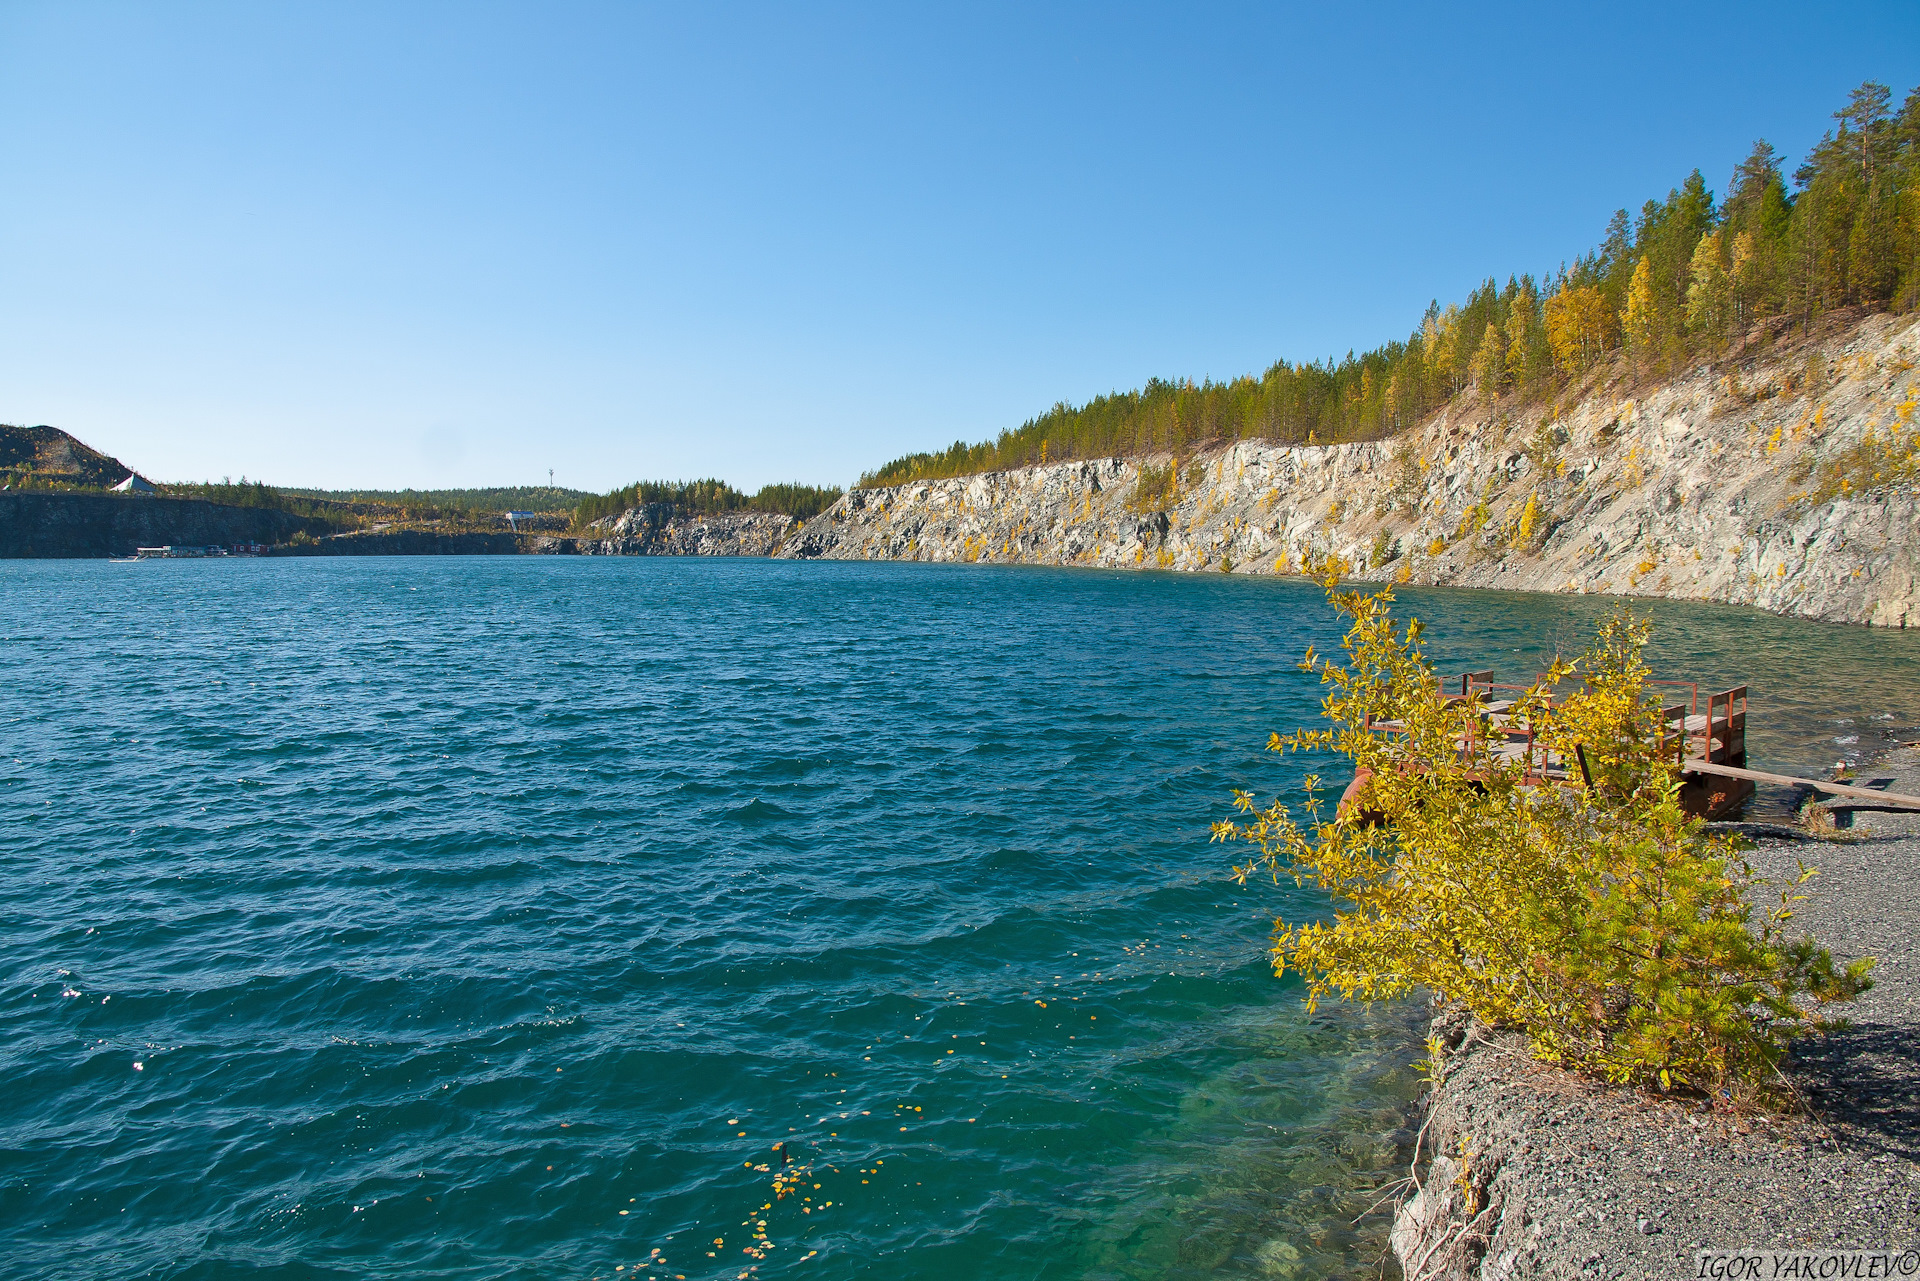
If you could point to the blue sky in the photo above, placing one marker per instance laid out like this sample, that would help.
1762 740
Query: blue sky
388 245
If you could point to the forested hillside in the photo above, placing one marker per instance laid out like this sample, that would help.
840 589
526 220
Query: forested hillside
1672 286
691 498
535 498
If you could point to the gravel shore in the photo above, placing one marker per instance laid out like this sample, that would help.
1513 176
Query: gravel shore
1566 1178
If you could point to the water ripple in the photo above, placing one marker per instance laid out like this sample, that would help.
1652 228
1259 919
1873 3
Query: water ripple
495 918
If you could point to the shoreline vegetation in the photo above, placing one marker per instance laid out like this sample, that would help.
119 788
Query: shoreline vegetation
692 499
1583 907
1621 994
1528 1169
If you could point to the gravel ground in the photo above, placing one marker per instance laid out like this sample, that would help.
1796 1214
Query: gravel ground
1569 1179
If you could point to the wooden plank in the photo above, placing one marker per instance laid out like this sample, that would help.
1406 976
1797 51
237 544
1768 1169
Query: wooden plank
1697 766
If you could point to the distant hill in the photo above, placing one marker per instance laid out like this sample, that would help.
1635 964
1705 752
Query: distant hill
50 456
532 498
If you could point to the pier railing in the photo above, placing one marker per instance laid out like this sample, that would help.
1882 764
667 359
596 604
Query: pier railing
1718 736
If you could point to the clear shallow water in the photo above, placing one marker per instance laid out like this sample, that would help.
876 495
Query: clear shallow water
450 908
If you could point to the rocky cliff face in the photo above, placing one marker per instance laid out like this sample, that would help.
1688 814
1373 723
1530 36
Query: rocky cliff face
640 532
654 530
1781 478
37 524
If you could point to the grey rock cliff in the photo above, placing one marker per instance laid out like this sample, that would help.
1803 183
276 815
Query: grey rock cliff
654 530
1717 486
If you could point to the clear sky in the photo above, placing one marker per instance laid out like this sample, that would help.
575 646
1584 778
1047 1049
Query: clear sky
384 245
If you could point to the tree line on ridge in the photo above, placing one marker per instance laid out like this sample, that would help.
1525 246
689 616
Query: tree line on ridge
686 499
1676 284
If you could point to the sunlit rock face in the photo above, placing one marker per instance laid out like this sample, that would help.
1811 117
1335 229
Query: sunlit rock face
1752 481
654 530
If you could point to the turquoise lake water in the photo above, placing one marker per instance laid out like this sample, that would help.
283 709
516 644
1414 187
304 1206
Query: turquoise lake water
496 917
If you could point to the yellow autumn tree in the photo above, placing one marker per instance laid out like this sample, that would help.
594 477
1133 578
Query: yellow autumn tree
1590 913
1709 291
1529 518
1579 328
1490 362
1640 322
1440 337
1746 277
1519 326
1400 404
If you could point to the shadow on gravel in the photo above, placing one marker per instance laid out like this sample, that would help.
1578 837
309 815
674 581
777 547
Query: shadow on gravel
1866 1082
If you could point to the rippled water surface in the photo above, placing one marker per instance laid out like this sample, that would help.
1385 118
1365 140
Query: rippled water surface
497 917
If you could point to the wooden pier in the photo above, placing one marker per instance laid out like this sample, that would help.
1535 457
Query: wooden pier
1708 747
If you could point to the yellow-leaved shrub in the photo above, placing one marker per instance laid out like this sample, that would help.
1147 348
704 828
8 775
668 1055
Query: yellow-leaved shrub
1615 931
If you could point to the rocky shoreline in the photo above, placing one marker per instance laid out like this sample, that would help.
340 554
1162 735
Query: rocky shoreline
1780 477
1751 482
642 532
1528 1171
655 530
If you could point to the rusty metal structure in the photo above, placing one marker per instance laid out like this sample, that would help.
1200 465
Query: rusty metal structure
1708 747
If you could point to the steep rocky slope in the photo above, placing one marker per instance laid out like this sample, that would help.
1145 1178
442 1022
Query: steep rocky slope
654 530
1769 479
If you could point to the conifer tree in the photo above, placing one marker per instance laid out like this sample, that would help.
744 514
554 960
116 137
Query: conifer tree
1678 282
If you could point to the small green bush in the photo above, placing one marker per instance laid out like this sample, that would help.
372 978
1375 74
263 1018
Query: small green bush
1875 459
1155 487
1601 920
1386 548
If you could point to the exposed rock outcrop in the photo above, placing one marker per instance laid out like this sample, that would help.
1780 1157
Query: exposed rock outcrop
1752 483
655 530
40 524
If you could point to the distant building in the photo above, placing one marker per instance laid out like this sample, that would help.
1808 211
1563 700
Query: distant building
514 519
134 484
